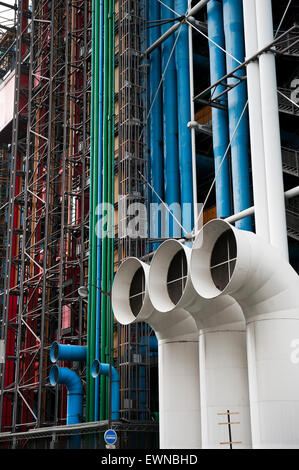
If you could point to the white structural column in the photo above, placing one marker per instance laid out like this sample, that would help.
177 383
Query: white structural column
256 123
267 289
177 335
271 129
223 377
222 350
179 410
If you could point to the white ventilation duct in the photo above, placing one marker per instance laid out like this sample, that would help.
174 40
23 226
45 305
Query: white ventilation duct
241 264
259 178
271 129
222 346
177 334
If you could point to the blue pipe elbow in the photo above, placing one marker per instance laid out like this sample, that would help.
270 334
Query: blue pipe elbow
219 116
98 368
69 378
67 352
237 97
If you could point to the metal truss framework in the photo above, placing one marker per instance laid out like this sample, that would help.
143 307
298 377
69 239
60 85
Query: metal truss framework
133 341
46 257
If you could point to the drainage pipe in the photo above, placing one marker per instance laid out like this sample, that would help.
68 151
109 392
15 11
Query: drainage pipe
177 335
256 123
67 352
156 124
170 124
184 116
69 378
222 344
241 264
234 43
271 129
219 116
97 369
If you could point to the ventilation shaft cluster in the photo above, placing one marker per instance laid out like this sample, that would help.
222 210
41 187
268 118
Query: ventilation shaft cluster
225 314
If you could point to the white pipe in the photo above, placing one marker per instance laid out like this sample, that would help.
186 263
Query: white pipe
256 123
267 289
241 215
292 193
222 349
271 129
201 4
179 407
192 118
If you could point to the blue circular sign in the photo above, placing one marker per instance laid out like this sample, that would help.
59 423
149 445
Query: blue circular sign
110 436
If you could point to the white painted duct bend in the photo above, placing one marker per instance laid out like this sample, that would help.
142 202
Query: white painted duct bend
179 407
255 274
222 345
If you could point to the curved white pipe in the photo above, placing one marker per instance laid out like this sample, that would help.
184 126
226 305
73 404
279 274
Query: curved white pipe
267 289
179 407
222 350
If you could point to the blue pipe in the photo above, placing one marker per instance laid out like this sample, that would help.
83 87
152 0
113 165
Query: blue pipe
99 239
67 352
184 116
156 124
234 41
98 369
219 116
170 124
69 378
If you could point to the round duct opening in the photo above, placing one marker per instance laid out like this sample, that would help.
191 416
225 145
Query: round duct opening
213 258
54 352
53 376
95 368
137 292
129 292
168 275
223 259
177 276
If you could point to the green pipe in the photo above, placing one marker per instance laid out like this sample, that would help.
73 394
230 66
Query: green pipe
90 392
105 200
89 331
95 200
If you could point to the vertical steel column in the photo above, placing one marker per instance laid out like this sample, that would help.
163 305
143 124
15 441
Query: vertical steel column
10 325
